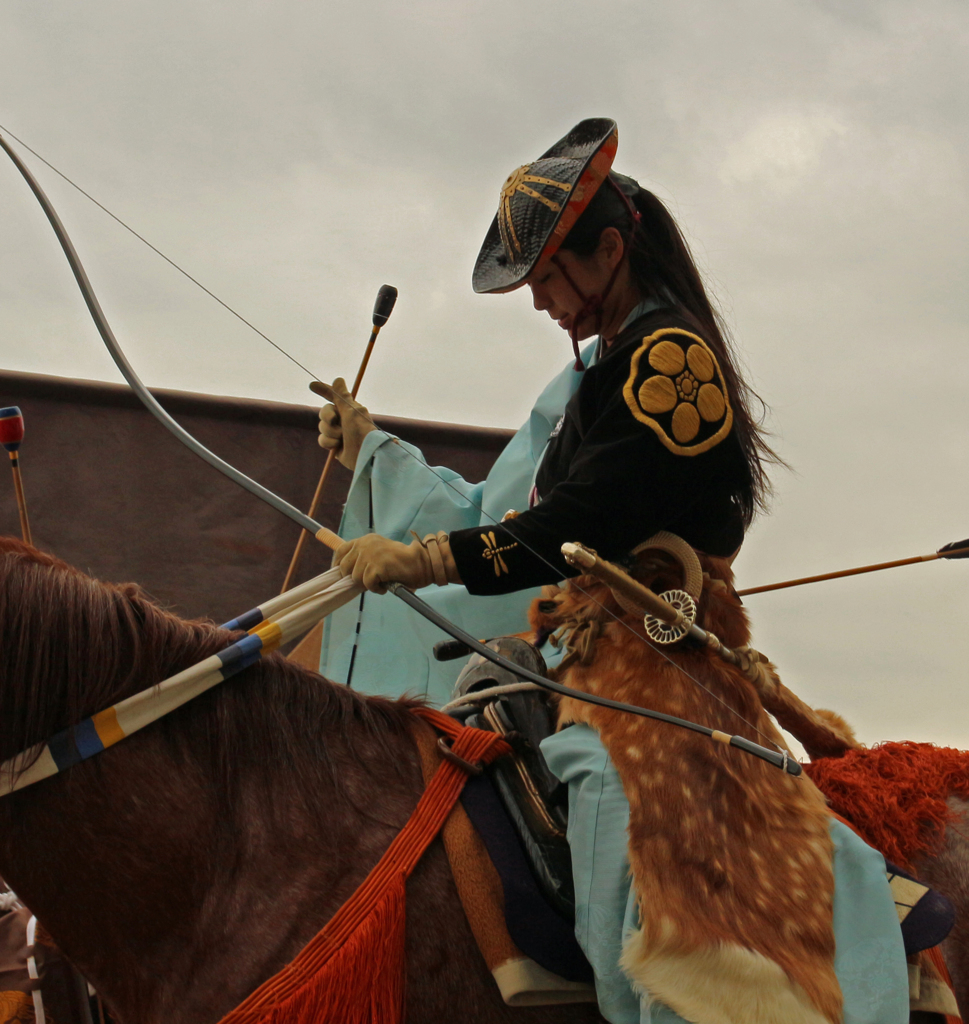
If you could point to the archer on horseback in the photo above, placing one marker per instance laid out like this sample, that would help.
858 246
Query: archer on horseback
650 430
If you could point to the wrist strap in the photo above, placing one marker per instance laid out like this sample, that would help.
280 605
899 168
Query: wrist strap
432 544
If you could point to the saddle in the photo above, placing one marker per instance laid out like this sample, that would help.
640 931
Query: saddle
533 798
527 945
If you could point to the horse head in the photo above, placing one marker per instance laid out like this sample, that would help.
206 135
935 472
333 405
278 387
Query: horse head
238 822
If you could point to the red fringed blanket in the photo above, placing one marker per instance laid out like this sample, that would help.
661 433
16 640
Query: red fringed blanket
353 970
895 794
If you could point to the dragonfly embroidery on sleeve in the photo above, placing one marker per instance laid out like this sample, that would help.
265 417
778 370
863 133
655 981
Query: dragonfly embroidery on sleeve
492 551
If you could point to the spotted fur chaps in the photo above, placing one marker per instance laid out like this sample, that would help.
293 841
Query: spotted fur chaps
731 858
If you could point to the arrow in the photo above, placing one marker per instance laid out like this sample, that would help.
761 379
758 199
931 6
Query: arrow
11 436
382 308
957 549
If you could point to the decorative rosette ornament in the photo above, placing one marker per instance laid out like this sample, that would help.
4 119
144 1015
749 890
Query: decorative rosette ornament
676 388
661 632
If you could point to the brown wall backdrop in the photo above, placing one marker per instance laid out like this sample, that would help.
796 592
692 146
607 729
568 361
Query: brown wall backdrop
112 492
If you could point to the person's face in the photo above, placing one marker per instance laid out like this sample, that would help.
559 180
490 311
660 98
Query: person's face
552 293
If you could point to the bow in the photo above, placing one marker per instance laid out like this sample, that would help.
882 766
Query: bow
127 371
780 759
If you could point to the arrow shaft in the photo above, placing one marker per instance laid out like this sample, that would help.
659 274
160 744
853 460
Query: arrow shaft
365 362
330 458
851 572
18 486
301 543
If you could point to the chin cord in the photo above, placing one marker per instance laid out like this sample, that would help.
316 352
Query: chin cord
593 303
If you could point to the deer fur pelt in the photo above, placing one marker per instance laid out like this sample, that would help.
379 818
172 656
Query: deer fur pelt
731 858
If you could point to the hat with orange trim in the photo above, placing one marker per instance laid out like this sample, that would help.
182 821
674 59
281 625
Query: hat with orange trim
541 202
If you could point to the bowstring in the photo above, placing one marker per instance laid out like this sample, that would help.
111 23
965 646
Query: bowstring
155 249
403 447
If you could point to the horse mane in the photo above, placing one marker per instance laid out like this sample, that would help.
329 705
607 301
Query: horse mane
74 645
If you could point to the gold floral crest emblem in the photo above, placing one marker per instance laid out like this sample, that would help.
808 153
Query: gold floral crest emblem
676 388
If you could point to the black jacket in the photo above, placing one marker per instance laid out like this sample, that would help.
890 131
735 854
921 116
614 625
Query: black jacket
646 444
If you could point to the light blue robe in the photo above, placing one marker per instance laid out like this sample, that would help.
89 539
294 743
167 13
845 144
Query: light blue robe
393 657
394 649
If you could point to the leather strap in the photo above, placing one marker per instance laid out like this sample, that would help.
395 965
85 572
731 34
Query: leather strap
432 545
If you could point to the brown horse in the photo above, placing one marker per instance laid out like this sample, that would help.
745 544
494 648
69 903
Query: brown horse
945 866
186 865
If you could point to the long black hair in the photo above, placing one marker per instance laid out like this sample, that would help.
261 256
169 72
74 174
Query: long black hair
662 266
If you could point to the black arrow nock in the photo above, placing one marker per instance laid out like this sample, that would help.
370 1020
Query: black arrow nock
384 305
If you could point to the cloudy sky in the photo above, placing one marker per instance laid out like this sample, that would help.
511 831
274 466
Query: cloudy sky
295 156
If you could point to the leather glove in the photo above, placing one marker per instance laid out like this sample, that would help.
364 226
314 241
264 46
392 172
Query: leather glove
375 561
344 423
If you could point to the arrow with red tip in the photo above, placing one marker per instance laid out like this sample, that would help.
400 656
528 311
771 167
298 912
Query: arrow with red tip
11 436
